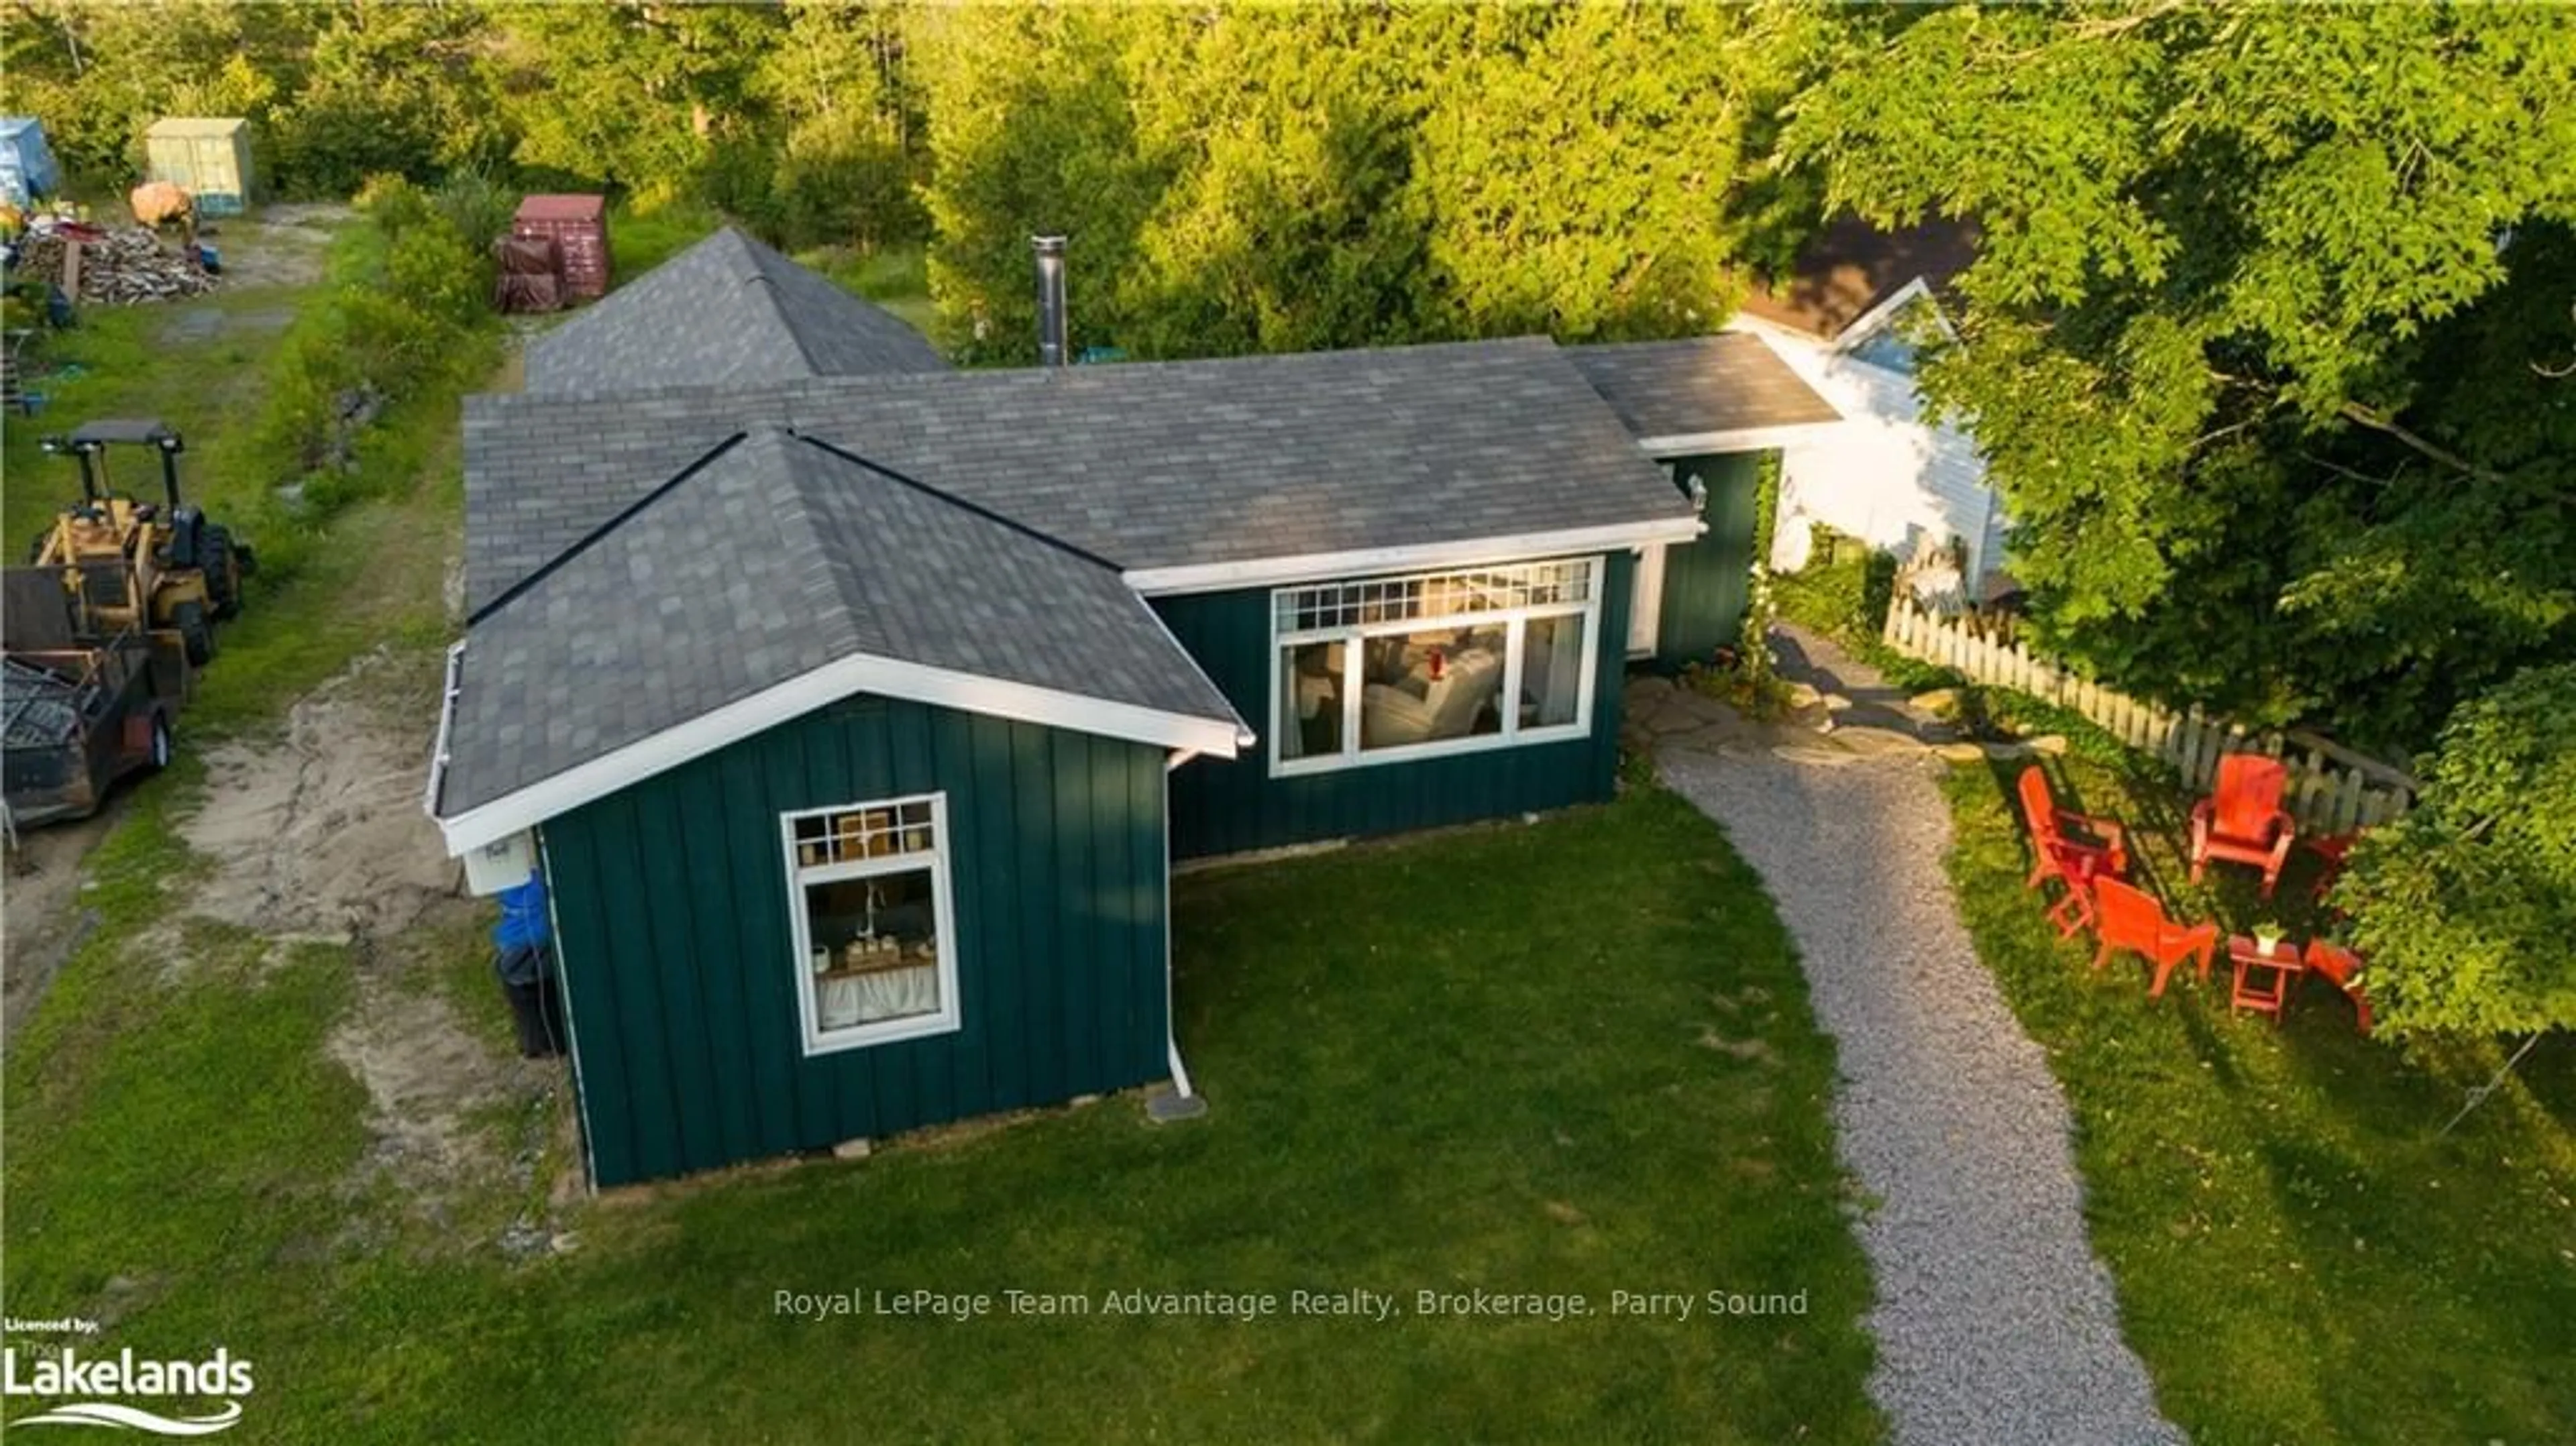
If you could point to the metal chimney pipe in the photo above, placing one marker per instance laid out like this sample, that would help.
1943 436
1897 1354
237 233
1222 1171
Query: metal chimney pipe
1050 249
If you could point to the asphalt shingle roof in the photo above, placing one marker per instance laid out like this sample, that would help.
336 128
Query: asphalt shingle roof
730 474
727 311
1723 383
773 556
1148 465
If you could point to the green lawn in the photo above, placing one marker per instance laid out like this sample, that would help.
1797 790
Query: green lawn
2299 1257
133 361
1564 1058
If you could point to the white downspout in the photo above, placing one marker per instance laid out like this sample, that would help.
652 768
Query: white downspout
572 1032
1184 1103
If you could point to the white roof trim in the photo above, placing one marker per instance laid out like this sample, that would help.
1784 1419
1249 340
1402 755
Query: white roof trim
446 716
1873 321
859 673
1774 333
1315 566
1741 439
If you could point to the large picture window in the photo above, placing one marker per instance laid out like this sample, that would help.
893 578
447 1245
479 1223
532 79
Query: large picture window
876 956
1382 669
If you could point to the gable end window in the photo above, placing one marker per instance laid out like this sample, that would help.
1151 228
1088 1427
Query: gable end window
876 939
1386 669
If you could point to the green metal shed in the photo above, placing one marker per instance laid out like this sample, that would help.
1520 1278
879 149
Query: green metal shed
209 158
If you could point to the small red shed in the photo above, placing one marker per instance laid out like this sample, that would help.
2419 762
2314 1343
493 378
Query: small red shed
578 225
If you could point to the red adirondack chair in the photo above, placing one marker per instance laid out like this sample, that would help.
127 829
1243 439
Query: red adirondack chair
2342 968
2131 919
2073 848
2243 822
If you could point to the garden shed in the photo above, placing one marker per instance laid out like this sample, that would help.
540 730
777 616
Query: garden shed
27 168
853 709
209 158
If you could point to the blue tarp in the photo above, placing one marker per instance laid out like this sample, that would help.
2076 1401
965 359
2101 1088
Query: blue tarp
523 916
27 165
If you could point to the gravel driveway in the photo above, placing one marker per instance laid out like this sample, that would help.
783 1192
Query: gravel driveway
1995 1323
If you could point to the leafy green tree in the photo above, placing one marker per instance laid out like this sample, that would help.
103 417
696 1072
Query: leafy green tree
2466 908
391 88
1291 222
2259 341
1030 131
846 127
1586 165
1254 178
630 94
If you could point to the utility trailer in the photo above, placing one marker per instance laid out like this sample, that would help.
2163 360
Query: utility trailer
78 712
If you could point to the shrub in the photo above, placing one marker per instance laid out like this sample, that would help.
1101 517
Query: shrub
411 289
2465 906
477 207
1844 589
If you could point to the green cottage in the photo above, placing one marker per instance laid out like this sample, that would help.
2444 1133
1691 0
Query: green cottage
853 710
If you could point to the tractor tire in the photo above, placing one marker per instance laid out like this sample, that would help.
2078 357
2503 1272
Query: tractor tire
223 573
196 631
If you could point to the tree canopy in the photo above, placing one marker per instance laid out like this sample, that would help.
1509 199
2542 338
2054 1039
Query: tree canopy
2261 333
1276 178
2465 907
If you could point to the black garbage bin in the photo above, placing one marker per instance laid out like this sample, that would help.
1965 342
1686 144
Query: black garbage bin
528 977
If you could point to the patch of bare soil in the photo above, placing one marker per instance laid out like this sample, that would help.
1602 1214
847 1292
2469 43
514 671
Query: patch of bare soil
283 245
423 1071
322 832
319 833
41 919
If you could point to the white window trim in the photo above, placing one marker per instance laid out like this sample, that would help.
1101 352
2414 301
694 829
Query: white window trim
949 1019
1516 645
1470 552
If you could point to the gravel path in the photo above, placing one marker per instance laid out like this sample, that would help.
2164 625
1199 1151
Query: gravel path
1995 1323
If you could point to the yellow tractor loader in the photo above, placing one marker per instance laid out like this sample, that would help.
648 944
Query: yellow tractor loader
137 564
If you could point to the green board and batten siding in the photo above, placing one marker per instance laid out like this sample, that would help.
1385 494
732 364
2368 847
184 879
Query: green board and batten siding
672 898
1233 805
1705 582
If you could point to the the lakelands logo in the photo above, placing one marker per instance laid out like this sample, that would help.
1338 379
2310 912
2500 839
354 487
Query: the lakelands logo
70 1373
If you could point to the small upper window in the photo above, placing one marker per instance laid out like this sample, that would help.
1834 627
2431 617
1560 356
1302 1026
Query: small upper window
876 950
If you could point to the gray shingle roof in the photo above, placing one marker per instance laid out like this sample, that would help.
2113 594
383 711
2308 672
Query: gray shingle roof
1724 383
727 311
1148 465
774 557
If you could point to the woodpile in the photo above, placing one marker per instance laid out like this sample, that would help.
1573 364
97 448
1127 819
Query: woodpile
118 266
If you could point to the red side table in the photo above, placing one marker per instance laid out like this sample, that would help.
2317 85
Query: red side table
2264 979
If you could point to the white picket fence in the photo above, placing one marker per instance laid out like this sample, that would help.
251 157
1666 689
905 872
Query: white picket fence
2332 789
